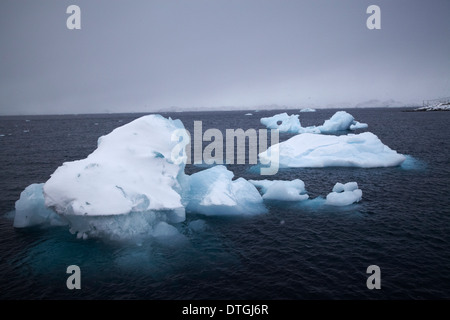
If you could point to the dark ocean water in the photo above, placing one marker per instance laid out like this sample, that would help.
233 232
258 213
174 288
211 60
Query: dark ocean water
294 251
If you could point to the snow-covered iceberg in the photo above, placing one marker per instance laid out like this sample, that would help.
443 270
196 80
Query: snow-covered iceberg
130 171
293 190
308 110
213 192
363 150
344 194
340 121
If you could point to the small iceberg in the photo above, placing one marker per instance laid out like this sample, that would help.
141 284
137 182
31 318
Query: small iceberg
283 122
344 194
340 121
308 110
293 190
213 192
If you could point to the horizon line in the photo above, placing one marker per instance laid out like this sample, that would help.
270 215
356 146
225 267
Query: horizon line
231 109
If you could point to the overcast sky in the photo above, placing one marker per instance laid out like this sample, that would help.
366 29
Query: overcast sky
151 55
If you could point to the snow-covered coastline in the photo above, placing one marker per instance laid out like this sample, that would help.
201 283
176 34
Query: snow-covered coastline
438 107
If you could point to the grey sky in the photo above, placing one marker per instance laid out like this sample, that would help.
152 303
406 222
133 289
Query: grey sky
151 55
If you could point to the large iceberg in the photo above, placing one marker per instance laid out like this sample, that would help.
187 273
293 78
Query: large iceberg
213 192
132 185
340 121
130 171
293 190
363 150
344 194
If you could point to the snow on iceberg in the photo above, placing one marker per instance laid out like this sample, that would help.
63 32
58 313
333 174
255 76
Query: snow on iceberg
308 110
213 192
283 122
363 150
344 194
31 210
293 190
340 121
130 171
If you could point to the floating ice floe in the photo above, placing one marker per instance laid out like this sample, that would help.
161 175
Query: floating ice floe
129 186
249 114
293 190
197 225
363 150
344 194
340 121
